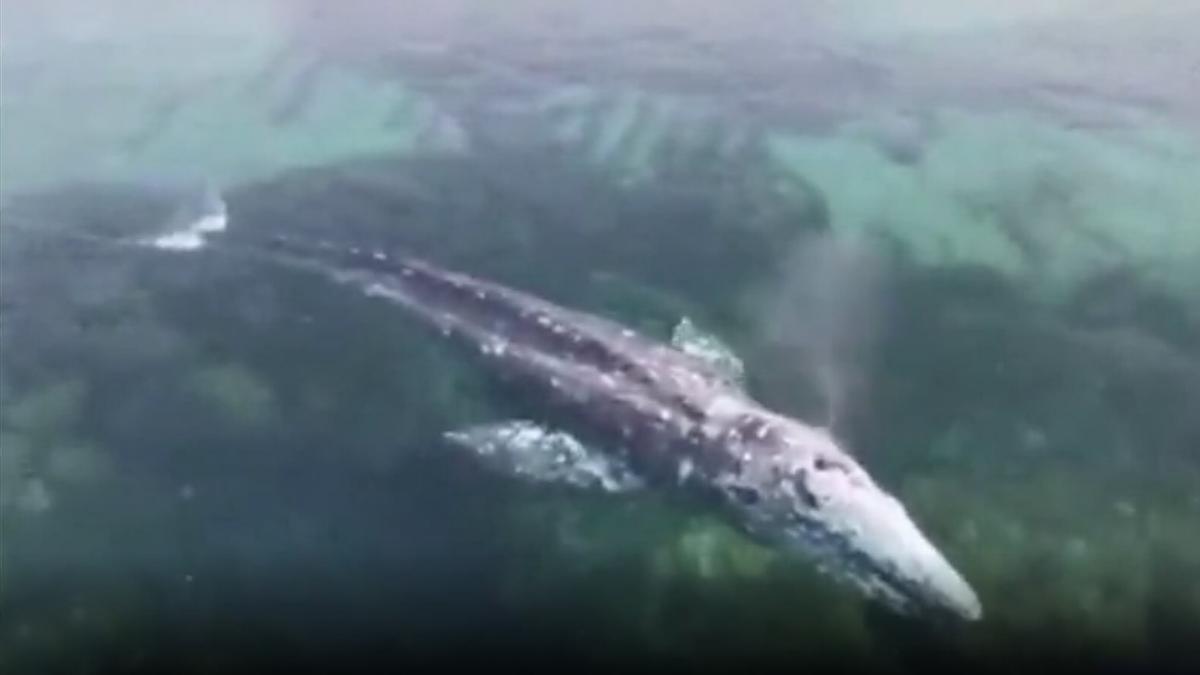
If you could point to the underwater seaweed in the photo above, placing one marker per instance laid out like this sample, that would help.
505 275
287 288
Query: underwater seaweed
264 426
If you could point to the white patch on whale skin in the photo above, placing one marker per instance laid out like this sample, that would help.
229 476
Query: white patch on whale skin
494 346
686 467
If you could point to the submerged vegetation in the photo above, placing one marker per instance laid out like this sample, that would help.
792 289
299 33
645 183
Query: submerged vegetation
230 419
208 460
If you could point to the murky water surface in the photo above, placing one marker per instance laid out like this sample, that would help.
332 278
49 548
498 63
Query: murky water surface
965 240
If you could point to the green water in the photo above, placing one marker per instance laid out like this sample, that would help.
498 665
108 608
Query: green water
208 465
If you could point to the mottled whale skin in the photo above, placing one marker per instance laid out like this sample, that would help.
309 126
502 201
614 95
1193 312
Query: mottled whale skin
676 421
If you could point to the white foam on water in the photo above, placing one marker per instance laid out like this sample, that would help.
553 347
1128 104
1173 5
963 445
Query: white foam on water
193 235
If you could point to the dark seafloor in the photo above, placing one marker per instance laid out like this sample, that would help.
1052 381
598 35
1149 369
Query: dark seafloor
209 465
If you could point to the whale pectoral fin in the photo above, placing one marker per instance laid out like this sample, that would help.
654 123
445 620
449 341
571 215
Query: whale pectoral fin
532 452
706 347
